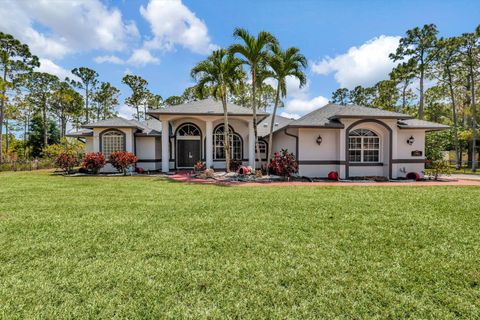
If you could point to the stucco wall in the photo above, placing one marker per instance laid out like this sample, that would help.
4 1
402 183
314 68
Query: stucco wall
148 153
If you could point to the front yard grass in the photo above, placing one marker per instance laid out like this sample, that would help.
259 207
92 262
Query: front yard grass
135 247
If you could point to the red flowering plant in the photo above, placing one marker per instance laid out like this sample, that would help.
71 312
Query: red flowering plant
66 161
200 166
283 163
122 160
94 161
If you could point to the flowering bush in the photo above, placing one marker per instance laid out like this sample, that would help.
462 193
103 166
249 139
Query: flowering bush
283 163
413 176
122 160
199 166
66 161
243 170
94 161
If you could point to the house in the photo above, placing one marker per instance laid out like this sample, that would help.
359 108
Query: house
352 140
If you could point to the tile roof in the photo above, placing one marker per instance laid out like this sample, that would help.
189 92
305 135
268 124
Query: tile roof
263 127
206 107
420 124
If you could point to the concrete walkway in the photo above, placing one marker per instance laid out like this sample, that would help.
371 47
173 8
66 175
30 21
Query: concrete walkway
450 181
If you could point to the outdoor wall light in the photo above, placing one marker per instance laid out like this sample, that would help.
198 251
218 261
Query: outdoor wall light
411 140
319 140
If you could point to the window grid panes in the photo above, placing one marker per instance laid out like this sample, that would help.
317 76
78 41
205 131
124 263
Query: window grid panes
112 141
363 146
188 130
218 145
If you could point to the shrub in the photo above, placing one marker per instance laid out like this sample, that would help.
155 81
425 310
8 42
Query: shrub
139 170
235 165
437 168
283 163
413 176
122 160
333 175
94 161
243 170
66 161
199 166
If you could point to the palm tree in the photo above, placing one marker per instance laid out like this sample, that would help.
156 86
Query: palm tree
220 72
288 63
254 52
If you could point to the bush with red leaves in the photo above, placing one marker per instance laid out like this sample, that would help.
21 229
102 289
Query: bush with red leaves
283 163
333 175
122 160
66 161
94 161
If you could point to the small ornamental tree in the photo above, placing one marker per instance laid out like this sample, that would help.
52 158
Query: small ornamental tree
283 163
122 160
94 161
66 161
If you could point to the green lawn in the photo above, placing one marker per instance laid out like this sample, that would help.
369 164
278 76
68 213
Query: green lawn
134 247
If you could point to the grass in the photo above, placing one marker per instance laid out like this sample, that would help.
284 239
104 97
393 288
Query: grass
133 247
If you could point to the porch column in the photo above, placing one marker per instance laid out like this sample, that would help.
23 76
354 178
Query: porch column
209 144
165 146
342 156
251 144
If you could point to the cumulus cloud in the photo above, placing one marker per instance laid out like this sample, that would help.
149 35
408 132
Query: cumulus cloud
290 115
141 57
298 106
47 65
172 23
109 59
66 26
364 65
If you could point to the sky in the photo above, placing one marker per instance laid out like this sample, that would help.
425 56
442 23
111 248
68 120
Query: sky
346 42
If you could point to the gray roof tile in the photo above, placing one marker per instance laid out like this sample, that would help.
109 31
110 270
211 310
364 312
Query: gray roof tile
263 127
421 124
205 107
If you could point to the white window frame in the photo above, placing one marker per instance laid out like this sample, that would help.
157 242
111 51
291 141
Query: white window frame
236 144
366 140
112 141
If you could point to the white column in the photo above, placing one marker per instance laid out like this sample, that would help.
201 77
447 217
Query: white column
209 144
165 146
251 144
341 153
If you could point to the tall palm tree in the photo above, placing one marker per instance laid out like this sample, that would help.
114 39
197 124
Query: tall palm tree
220 72
253 52
288 63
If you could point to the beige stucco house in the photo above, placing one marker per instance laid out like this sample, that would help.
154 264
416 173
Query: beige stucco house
352 140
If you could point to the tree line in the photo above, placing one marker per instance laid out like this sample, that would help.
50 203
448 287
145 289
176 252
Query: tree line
437 79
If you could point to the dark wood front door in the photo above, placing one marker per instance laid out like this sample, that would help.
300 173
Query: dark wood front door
188 153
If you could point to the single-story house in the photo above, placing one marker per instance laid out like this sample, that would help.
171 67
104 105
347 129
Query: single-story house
352 140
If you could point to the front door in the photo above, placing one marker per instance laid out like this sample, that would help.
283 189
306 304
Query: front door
188 153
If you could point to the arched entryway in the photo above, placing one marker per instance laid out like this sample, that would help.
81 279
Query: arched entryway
188 147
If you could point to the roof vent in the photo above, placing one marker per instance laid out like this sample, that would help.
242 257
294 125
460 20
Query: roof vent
276 124
265 124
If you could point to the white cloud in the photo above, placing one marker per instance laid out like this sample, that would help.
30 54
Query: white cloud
172 23
141 57
293 87
109 59
125 111
66 26
290 115
47 65
302 106
364 65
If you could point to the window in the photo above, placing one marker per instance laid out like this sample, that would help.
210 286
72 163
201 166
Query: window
363 146
188 130
219 146
112 141
262 146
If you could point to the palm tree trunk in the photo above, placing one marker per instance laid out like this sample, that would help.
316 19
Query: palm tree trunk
226 134
455 121
272 123
254 116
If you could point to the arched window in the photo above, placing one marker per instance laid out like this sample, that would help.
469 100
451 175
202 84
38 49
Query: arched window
218 144
363 146
188 130
112 141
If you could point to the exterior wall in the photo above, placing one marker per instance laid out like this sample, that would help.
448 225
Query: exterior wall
89 144
318 160
405 162
148 152
281 140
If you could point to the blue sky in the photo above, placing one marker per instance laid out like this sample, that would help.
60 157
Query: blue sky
346 42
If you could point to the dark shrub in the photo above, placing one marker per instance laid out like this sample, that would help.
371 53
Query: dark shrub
283 163
94 161
333 175
413 176
122 160
66 161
